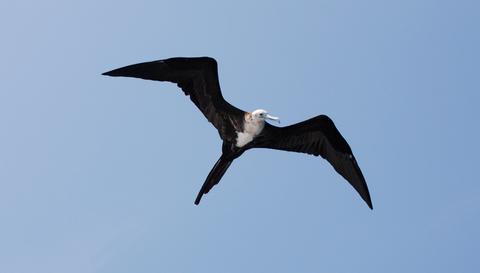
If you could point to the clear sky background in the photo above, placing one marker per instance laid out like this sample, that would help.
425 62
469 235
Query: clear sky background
99 174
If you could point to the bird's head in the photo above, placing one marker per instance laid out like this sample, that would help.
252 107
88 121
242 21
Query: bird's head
261 114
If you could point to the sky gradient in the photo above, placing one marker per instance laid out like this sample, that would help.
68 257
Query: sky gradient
99 174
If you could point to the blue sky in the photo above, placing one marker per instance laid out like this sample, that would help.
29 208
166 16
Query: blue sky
99 174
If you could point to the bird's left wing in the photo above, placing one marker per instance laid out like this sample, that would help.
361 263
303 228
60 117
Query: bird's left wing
198 78
317 136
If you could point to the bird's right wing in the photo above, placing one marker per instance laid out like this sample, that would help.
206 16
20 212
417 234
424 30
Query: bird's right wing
198 78
318 136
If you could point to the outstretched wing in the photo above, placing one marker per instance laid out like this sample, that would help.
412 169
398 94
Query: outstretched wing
198 78
318 136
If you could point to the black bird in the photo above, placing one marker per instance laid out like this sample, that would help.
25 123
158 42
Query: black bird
240 130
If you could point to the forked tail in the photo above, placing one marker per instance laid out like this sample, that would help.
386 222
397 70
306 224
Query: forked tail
213 177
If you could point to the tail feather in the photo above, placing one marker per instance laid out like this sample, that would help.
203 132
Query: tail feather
213 177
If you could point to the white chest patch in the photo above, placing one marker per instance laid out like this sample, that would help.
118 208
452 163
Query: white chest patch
251 130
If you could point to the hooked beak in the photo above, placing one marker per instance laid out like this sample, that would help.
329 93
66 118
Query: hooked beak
273 118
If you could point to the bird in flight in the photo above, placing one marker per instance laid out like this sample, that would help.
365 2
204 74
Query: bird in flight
241 130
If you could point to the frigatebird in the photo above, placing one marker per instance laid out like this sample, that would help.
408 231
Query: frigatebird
241 130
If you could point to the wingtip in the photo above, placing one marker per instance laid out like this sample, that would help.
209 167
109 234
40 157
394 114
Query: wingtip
117 72
109 73
368 200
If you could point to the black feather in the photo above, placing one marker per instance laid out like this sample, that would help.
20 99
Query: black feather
198 78
318 136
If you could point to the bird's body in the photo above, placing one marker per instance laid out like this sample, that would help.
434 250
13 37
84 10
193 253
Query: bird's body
240 130
252 127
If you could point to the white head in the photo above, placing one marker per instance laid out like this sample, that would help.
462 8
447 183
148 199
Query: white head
261 114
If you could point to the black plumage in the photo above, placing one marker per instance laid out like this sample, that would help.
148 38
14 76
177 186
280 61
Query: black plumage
198 78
